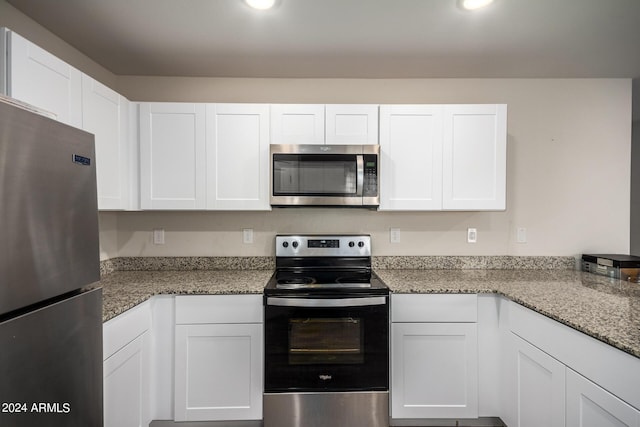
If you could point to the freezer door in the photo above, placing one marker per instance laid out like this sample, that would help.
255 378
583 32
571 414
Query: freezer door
48 209
51 365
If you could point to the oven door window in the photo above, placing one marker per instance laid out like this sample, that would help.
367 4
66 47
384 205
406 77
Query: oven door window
327 341
314 175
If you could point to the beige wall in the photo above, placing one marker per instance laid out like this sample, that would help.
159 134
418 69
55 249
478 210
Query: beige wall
568 177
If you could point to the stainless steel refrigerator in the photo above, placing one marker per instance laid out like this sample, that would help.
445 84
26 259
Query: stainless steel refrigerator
50 306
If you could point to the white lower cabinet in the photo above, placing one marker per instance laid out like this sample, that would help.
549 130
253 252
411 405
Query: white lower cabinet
126 385
126 373
557 376
218 358
589 405
434 365
538 386
434 370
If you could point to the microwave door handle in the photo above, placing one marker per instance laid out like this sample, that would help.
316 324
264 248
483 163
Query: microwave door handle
359 174
326 302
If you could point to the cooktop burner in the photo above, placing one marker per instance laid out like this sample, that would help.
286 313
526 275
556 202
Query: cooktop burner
314 263
284 282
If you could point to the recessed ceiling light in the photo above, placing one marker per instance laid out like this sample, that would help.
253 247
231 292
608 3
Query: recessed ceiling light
261 4
474 4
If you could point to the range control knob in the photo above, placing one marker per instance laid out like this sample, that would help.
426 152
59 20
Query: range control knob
351 244
294 244
285 244
361 244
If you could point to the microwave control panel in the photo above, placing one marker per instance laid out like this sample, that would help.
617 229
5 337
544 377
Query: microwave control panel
370 184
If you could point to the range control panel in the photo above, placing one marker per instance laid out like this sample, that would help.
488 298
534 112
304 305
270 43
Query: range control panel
321 245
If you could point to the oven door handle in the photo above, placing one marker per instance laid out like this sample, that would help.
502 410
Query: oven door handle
326 302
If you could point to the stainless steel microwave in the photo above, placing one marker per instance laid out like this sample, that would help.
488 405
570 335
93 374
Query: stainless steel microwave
325 175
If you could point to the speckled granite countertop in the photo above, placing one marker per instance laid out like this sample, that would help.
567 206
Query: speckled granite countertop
606 309
123 290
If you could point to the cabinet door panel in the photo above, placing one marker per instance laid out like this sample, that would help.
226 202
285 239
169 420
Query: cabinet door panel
126 386
539 386
41 79
474 157
434 370
238 156
351 124
105 114
589 405
218 372
297 124
411 157
172 156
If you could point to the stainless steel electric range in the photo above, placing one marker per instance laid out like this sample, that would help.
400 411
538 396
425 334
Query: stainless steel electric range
326 335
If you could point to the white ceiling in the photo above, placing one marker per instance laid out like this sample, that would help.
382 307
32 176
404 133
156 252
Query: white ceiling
350 38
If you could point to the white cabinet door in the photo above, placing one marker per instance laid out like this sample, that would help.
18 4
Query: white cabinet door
351 124
411 157
237 156
474 157
39 78
434 371
105 114
126 385
537 386
297 124
589 405
172 156
218 372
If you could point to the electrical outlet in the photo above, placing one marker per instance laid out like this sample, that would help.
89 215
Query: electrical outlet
472 235
521 235
394 235
247 235
158 236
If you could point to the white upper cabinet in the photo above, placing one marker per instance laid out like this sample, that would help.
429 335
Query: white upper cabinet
237 156
105 114
35 76
338 124
411 157
297 124
351 124
443 157
475 157
172 156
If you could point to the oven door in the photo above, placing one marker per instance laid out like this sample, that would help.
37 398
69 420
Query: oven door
326 343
